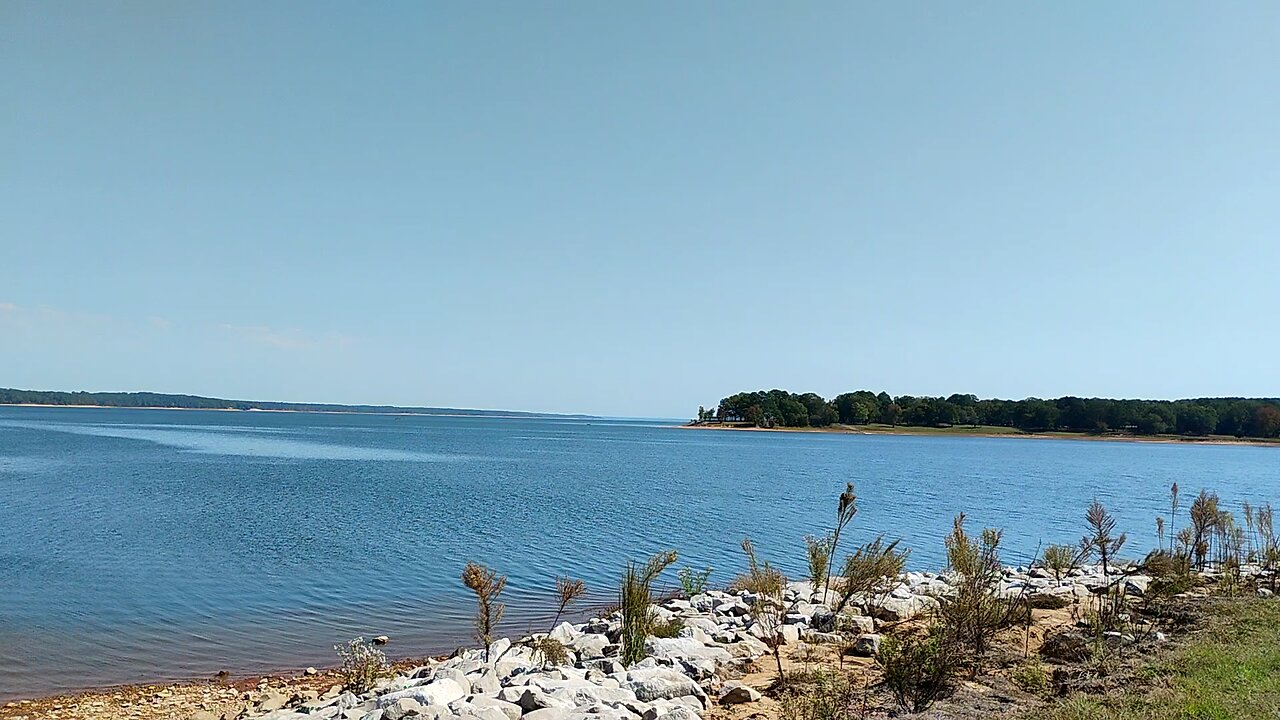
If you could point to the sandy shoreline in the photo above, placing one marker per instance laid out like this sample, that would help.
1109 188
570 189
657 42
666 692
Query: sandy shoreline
902 430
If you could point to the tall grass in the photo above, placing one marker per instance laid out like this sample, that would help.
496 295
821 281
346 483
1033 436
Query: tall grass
635 595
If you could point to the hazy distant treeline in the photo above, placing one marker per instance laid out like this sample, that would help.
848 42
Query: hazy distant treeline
11 396
1240 417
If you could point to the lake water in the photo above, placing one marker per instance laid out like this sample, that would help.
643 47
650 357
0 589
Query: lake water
151 544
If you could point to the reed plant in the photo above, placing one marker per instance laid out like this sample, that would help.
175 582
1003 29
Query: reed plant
635 596
846 508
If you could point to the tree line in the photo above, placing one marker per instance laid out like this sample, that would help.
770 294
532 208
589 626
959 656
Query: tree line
1239 417
13 396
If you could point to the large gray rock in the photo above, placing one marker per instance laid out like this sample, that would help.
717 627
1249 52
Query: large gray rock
735 693
591 646
437 692
537 699
565 633
402 708
895 609
651 684
867 645
485 682
511 710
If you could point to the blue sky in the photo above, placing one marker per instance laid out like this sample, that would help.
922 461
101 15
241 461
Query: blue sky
634 210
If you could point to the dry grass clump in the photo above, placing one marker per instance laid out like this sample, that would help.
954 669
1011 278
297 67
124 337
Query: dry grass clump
829 696
487 586
362 665
550 651
768 610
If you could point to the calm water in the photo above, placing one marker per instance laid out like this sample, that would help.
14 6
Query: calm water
140 544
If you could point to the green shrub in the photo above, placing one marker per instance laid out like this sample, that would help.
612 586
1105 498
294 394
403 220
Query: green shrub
827 696
1031 676
693 582
818 551
971 616
769 609
917 670
1060 560
872 570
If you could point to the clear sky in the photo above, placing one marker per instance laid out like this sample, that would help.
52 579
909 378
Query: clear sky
634 209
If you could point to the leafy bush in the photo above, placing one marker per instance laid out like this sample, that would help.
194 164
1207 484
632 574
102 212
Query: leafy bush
693 582
917 670
362 664
634 598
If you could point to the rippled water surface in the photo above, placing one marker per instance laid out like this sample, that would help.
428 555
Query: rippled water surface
150 544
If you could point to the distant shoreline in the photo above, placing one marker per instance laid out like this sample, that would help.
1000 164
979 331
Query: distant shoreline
1008 433
525 416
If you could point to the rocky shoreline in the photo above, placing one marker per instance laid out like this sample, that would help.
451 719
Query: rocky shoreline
681 678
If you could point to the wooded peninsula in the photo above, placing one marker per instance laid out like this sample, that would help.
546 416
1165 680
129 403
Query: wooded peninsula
1230 417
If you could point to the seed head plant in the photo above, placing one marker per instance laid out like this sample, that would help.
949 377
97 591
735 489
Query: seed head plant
568 591
1101 539
846 508
487 586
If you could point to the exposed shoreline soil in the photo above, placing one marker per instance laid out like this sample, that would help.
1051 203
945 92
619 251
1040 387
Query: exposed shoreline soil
952 432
